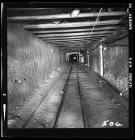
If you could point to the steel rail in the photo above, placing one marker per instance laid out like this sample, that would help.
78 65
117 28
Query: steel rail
37 106
62 100
85 120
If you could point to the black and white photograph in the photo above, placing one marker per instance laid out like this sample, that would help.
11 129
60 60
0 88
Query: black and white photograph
66 67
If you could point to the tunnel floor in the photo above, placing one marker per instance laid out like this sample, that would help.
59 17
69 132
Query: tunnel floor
71 98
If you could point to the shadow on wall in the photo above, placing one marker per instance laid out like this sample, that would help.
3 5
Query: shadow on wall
30 61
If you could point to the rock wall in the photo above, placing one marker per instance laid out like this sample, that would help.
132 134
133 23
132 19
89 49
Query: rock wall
115 63
95 60
30 62
116 66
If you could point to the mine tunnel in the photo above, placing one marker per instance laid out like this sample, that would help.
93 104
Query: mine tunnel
67 67
73 58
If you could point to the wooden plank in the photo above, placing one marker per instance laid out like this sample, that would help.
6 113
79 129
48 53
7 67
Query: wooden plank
73 34
65 44
62 41
77 30
69 41
68 44
76 37
81 39
63 16
71 24
24 9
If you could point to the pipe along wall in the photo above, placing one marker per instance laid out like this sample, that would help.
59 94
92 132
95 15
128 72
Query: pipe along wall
30 62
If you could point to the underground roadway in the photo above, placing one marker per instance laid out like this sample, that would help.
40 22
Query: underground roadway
73 98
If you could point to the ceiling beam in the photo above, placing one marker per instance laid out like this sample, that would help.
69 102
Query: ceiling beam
75 37
24 9
77 30
68 43
73 34
69 40
63 16
74 41
70 24
64 44
81 39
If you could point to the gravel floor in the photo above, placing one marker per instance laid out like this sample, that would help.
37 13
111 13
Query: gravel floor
71 113
22 113
100 104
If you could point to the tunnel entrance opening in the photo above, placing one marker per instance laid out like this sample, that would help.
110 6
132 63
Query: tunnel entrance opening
74 58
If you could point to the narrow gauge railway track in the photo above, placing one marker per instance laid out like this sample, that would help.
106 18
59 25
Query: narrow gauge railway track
82 103
38 105
62 101
70 111
67 91
115 92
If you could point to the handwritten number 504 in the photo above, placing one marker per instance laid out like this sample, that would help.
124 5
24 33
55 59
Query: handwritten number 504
105 123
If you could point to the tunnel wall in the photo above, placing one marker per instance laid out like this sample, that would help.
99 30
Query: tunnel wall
115 64
30 61
95 60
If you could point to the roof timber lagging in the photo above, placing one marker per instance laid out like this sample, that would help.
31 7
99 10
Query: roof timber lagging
73 39
72 24
74 34
56 24
75 30
63 16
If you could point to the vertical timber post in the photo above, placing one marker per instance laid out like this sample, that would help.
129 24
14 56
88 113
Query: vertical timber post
101 60
79 58
88 58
